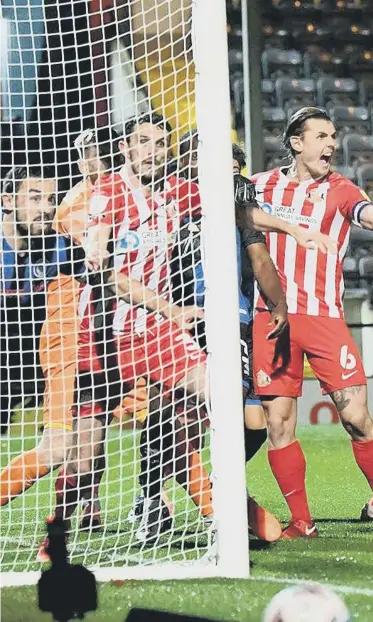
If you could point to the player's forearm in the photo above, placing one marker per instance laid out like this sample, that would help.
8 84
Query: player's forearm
96 245
366 217
267 277
261 221
136 293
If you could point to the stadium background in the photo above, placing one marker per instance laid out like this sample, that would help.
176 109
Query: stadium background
299 52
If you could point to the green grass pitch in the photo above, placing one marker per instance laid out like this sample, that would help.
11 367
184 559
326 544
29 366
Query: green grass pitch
342 556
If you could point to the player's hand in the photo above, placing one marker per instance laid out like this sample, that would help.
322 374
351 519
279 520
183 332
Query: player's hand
244 190
186 317
314 240
279 320
95 259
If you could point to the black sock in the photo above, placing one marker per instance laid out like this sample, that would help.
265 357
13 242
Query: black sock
254 439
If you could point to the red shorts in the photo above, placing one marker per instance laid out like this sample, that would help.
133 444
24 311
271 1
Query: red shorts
328 344
164 353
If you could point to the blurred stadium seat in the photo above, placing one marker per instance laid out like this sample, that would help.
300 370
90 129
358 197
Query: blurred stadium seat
364 177
351 272
276 62
318 61
337 91
295 92
268 93
274 119
272 146
357 147
366 269
350 118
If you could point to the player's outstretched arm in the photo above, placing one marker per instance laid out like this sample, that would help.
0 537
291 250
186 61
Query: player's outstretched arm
253 218
261 221
136 293
270 285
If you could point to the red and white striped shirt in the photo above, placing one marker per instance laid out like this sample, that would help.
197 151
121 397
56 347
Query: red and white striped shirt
144 234
313 282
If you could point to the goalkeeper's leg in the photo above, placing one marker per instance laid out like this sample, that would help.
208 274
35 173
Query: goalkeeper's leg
58 356
76 479
23 471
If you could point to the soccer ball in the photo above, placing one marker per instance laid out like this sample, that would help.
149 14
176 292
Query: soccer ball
308 602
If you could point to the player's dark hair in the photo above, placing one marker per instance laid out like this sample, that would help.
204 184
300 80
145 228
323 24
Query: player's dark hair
106 140
153 118
239 155
186 140
15 176
297 123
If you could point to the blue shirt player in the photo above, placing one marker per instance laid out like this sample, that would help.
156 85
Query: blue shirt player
31 255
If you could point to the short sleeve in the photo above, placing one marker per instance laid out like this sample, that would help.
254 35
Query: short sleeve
351 201
249 237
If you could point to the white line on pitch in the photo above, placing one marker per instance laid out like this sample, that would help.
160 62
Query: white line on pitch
344 589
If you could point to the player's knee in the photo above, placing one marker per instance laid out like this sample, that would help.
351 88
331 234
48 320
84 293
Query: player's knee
357 423
281 416
52 455
52 458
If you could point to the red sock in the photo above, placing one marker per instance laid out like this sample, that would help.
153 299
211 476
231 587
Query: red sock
289 468
363 453
66 494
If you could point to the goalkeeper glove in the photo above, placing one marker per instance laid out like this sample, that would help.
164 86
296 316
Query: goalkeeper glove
244 190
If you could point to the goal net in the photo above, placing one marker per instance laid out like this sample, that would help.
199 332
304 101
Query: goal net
120 369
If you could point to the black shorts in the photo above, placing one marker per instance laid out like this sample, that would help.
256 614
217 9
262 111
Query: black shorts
246 340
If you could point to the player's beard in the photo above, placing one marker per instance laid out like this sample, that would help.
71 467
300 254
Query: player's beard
26 233
155 178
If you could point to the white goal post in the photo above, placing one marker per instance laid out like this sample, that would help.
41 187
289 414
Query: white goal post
168 56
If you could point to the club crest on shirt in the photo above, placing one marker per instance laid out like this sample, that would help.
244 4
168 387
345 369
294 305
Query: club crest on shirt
315 196
262 379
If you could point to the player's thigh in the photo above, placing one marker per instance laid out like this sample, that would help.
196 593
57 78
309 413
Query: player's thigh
175 359
277 363
54 445
332 353
89 437
255 418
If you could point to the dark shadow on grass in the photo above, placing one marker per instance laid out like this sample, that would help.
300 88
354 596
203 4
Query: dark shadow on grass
260 545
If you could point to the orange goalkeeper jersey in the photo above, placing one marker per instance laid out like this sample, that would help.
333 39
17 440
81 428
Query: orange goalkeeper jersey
72 215
59 337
